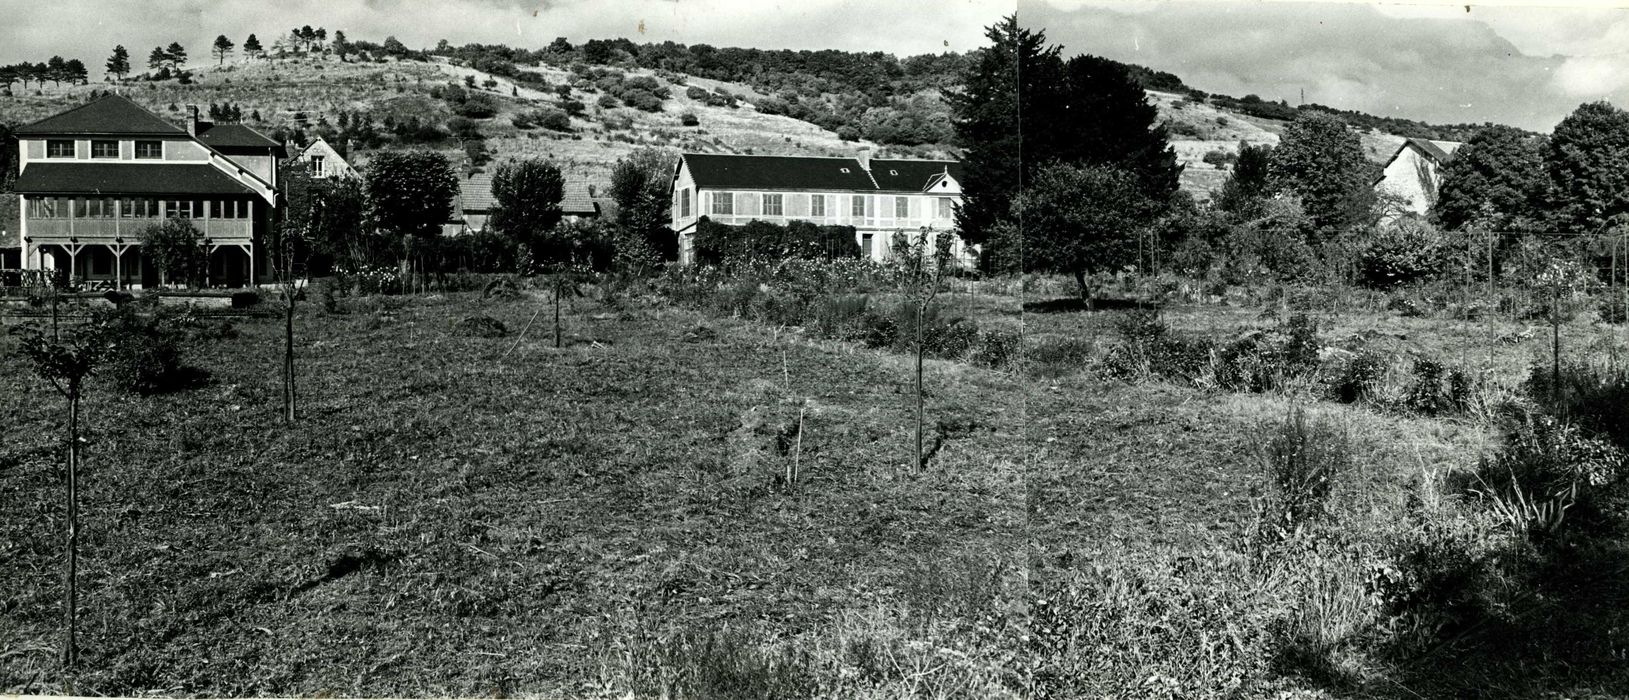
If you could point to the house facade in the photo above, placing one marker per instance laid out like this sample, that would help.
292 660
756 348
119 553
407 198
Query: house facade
325 161
1414 174
91 179
877 197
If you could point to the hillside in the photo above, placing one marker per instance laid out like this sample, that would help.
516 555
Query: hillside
397 102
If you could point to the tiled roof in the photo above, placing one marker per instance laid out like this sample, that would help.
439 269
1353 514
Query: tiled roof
576 201
475 195
1440 151
221 136
110 114
719 171
126 178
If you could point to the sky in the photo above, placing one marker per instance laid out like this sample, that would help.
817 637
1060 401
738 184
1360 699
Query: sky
1526 66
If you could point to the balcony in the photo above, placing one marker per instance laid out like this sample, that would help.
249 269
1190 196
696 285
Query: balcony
107 231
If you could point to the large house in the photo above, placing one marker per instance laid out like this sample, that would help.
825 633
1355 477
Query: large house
877 197
91 179
1414 173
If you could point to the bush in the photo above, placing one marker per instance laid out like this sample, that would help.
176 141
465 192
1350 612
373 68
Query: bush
1301 458
1360 378
841 316
1546 467
481 327
245 299
761 241
1402 252
145 354
996 348
689 119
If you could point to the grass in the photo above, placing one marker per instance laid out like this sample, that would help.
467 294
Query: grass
445 522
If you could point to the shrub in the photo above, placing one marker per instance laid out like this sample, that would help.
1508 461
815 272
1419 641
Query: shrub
1300 459
841 316
1545 467
1402 252
1360 377
689 119
481 327
996 347
245 299
878 330
145 354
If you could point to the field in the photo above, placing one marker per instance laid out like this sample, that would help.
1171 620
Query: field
469 516
464 515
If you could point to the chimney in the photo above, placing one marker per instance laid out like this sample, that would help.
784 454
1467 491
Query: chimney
192 120
864 156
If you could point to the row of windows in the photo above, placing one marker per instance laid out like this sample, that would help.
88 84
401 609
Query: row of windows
774 205
136 208
102 148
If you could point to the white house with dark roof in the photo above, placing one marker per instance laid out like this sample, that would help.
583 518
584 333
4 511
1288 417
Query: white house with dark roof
1414 173
877 197
325 161
92 178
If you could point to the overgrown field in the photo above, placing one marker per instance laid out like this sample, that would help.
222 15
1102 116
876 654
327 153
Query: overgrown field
459 515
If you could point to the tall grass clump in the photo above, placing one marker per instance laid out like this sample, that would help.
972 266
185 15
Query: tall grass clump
1301 458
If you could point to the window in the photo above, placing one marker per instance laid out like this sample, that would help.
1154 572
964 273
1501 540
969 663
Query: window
229 209
319 166
866 245
181 209
59 148
724 203
773 205
859 207
684 203
902 207
104 149
150 149
139 208
45 208
946 209
817 205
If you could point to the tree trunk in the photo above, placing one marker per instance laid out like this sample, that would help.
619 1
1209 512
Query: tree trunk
557 315
288 357
70 648
1085 292
921 314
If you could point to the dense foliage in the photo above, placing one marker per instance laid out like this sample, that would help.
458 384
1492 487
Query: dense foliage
765 242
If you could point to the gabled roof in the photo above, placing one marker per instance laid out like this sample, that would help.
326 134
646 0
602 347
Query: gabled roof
127 179
110 115
718 171
577 201
1440 151
911 175
226 136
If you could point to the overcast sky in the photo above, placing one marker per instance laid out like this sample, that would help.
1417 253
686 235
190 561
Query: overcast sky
1523 66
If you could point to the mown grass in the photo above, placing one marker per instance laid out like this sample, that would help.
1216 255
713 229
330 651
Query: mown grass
450 519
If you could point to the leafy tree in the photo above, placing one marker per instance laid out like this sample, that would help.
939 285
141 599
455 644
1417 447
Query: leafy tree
157 59
1588 163
340 46
988 109
1080 220
410 195
176 55
1496 179
528 194
176 248
1321 160
252 47
221 48
1101 116
119 63
641 184
329 214
1248 183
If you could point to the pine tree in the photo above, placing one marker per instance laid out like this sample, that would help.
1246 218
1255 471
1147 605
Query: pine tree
340 46
56 70
74 70
1103 117
176 54
157 59
221 48
119 63
252 47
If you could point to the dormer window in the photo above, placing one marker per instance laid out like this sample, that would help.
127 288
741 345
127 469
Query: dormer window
150 150
895 173
104 149
845 170
59 148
